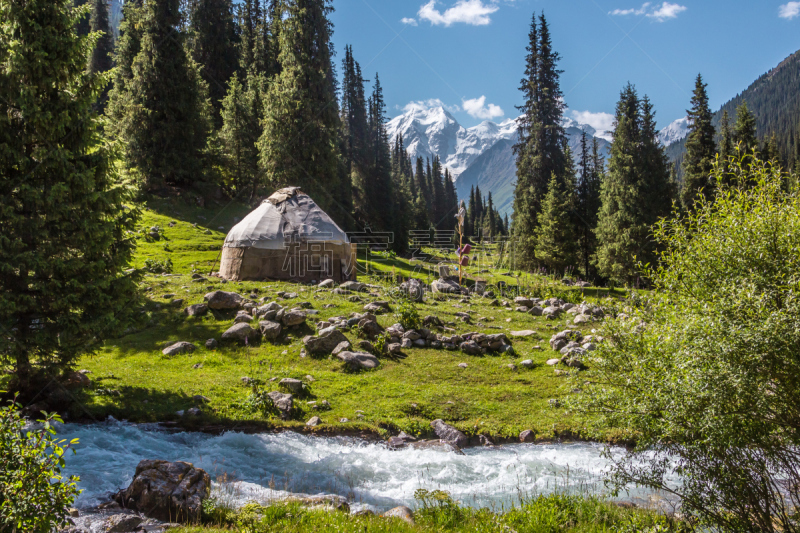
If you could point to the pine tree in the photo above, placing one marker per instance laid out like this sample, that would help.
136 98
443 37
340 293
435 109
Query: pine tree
298 145
100 60
128 46
701 149
353 118
380 188
64 244
588 203
163 109
213 45
555 235
82 27
451 201
540 148
246 22
726 139
744 131
635 192
238 137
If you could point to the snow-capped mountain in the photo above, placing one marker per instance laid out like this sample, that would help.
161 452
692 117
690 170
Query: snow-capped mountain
674 132
428 132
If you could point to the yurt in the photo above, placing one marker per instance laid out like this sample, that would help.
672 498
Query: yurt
288 237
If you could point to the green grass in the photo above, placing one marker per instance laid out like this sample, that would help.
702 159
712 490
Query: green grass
132 380
546 514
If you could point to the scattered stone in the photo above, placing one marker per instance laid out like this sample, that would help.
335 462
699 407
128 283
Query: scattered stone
553 362
179 348
294 386
196 310
344 420
282 402
77 380
414 288
325 343
462 365
121 523
394 349
523 333
366 346
448 433
211 344
527 363
293 318
197 366
242 318
470 348
241 332
512 367
445 286
314 420
377 307
342 347
527 436
170 492
327 284
536 311
223 300
554 403
194 411
354 286
582 319
359 360
270 330
403 513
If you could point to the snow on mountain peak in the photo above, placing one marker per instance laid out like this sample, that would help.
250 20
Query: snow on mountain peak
674 132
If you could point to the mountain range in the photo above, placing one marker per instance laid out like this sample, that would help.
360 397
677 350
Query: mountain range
483 155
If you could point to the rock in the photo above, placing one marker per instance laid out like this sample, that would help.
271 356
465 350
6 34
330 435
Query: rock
241 332
406 343
370 327
394 349
366 346
313 421
403 513
411 335
121 523
414 288
566 336
295 386
269 329
293 318
342 347
223 300
523 333
377 308
242 318
420 343
512 367
470 348
553 362
196 310
354 286
77 380
193 411
554 403
445 286
536 311
527 363
527 436
327 284
211 344
359 360
179 348
448 433
170 492
589 347
582 319
282 402
325 343
462 365
522 301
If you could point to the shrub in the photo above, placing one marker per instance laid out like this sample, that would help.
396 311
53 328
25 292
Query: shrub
154 266
707 373
34 495
406 312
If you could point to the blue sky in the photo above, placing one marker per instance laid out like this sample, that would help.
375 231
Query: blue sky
469 54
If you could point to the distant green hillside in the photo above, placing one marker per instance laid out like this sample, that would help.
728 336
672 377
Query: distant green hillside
774 98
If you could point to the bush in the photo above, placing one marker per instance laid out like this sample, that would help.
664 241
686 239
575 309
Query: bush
34 495
154 266
408 315
706 373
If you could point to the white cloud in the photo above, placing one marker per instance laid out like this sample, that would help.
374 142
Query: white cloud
409 21
602 122
662 12
472 12
424 105
789 11
477 108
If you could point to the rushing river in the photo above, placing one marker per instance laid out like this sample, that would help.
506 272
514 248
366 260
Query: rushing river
262 466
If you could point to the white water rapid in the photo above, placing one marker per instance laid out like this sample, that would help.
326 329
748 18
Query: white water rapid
368 474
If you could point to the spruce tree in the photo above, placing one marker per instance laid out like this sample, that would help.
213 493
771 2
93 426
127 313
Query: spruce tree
555 235
213 45
82 26
298 145
726 140
587 203
635 192
100 60
701 149
353 142
246 22
238 137
163 112
380 188
539 151
65 241
128 45
744 131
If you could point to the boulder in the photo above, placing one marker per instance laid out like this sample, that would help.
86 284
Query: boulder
241 332
523 333
445 286
295 386
470 348
370 327
324 343
394 349
403 513
354 286
293 318
121 523
522 301
179 348
582 319
170 492
377 307
242 318
527 363
211 344
77 380
282 402
196 310
527 436
448 433
553 362
342 347
313 421
223 300
270 330
327 284
414 288
536 311
359 360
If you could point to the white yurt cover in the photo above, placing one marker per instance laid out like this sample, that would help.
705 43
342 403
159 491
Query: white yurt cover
288 216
